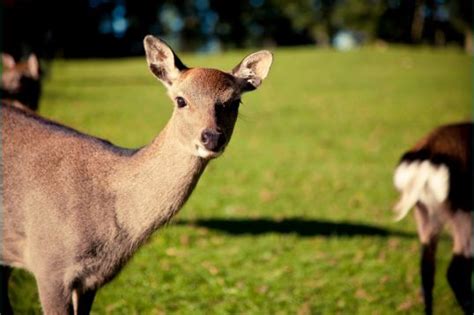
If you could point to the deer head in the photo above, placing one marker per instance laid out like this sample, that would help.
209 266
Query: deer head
13 72
206 100
20 84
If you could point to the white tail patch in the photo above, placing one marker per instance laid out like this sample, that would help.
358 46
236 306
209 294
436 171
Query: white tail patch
420 181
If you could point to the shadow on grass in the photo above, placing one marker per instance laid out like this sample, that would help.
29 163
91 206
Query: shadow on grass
302 227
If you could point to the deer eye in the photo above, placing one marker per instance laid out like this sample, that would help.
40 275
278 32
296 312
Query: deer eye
180 102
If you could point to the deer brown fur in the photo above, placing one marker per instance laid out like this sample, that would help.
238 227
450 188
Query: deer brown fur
76 208
435 177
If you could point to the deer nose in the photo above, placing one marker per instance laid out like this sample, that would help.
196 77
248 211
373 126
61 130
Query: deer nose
213 140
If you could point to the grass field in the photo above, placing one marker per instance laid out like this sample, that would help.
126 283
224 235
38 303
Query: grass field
295 217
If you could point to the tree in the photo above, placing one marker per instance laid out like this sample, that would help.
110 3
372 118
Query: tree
461 17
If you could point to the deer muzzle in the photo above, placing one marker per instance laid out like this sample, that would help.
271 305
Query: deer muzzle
213 140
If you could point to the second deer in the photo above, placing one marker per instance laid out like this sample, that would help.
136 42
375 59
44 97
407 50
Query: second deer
436 178
21 82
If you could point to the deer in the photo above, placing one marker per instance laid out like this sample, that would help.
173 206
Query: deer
436 178
77 207
21 82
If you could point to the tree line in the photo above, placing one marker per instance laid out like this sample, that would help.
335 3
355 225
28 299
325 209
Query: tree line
112 28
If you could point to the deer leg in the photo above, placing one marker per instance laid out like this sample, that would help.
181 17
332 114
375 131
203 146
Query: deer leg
5 306
428 230
459 278
460 268
55 299
83 302
427 269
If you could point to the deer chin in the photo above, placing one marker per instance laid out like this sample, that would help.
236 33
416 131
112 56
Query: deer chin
205 153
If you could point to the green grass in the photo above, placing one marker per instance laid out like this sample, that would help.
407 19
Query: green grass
263 233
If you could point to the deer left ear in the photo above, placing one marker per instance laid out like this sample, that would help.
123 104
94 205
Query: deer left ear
8 62
254 69
162 61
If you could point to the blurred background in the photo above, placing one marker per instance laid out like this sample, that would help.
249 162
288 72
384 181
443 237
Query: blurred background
295 217
115 28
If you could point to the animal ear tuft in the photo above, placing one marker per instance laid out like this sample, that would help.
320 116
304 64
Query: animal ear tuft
8 62
254 69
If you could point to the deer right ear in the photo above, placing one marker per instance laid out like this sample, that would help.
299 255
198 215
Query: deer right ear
162 61
254 69
33 66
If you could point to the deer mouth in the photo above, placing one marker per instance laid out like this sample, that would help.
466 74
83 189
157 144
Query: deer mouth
204 153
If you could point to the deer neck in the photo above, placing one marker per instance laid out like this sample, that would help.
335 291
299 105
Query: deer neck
154 184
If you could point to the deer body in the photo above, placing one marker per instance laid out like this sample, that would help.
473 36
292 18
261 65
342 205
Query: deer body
115 187
76 207
435 177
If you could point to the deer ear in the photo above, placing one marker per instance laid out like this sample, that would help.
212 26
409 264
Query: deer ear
8 62
33 66
254 69
162 61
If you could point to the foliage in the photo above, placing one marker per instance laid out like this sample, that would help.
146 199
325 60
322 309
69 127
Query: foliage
360 15
117 27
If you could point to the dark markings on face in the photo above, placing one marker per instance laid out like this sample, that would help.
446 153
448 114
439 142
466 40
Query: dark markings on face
226 114
247 86
160 72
